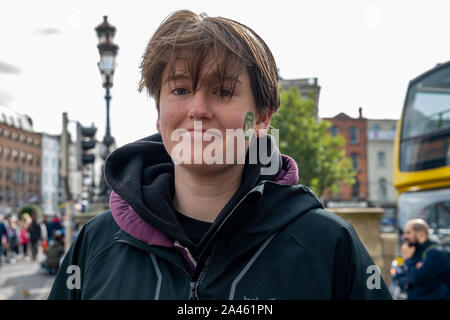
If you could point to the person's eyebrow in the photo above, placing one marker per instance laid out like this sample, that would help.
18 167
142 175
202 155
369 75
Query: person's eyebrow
225 78
181 76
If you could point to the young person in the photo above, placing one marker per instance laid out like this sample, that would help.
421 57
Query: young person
182 226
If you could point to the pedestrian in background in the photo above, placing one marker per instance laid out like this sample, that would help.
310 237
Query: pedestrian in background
35 235
53 253
3 238
13 237
24 240
427 266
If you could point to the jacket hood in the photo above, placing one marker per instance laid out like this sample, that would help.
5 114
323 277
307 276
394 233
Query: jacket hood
140 172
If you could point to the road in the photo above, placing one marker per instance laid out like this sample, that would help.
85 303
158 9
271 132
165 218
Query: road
24 280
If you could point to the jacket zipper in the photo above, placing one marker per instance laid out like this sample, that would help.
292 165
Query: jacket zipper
190 256
165 258
220 226
193 292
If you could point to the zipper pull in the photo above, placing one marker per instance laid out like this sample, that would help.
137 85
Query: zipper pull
193 295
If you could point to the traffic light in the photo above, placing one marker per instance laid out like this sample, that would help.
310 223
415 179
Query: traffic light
85 142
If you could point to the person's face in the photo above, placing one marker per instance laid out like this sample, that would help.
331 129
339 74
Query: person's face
213 105
409 235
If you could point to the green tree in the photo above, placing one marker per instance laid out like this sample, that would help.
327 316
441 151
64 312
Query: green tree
30 209
320 156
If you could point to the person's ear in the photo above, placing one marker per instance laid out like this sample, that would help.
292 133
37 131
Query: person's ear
158 125
263 121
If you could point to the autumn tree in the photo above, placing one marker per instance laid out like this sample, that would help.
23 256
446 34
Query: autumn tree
320 156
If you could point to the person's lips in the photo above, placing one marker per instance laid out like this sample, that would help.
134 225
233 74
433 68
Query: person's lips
203 131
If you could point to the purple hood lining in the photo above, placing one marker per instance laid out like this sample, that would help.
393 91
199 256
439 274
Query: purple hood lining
130 222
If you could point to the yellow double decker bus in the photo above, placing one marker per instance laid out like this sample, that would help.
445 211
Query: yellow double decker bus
422 153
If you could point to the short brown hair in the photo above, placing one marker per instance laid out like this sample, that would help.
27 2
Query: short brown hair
187 36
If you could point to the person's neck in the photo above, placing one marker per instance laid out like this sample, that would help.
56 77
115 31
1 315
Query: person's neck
202 195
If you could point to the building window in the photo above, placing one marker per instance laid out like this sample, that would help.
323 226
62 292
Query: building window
1 151
1 131
355 160
30 158
8 174
334 131
22 177
37 142
38 161
8 195
15 136
7 153
23 157
30 178
376 128
23 138
15 155
354 132
15 198
381 156
38 178
1 172
382 188
355 190
7 133
30 140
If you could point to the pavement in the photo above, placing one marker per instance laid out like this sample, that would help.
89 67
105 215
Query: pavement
24 280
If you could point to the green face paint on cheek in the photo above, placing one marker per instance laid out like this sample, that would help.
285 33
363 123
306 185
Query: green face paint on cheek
248 124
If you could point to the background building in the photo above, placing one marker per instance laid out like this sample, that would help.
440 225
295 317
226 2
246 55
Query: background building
20 161
308 87
354 132
51 182
380 152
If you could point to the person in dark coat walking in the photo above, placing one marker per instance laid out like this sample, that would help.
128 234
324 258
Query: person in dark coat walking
226 219
35 235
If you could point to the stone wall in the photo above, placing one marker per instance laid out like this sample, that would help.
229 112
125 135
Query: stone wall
381 247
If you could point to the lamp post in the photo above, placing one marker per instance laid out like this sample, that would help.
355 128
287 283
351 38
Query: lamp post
107 64
108 51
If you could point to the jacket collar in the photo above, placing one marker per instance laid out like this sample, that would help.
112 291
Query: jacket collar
132 223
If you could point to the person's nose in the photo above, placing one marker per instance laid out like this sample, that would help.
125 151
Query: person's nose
200 109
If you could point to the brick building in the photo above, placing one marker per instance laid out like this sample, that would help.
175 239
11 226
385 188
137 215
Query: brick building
20 161
354 131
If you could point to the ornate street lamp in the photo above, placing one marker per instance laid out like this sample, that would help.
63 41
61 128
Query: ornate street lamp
108 51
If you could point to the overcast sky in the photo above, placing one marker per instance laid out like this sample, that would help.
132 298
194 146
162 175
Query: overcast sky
363 52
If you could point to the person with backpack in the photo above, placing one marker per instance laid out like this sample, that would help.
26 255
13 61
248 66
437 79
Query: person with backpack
427 268
208 208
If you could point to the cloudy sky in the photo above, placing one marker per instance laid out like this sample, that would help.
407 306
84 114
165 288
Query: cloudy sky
363 52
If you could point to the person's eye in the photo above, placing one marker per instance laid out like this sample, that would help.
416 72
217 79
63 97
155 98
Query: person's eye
180 91
224 93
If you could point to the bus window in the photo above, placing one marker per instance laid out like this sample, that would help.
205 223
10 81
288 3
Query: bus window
426 123
432 206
